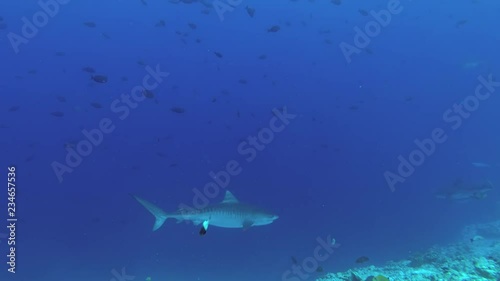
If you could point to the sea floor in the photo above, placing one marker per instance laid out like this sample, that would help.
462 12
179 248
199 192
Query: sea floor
475 258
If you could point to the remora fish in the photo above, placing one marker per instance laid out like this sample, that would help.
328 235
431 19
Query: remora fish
229 213
462 192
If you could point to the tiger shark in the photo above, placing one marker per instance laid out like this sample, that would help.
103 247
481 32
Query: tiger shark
230 213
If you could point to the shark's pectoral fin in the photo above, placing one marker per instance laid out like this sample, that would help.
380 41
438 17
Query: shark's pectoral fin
247 224
204 228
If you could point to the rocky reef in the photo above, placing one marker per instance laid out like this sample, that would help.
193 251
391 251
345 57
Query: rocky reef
476 257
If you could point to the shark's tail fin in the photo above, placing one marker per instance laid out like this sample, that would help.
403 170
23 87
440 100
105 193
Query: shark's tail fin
160 215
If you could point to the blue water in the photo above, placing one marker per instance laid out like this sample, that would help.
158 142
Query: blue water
323 174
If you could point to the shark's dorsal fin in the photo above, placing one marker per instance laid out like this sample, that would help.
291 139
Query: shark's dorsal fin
229 198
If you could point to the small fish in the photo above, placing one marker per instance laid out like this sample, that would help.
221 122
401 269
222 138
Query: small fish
362 259
192 25
250 11
160 154
90 24
57 113
148 94
325 31
161 23
88 69
364 13
29 158
274 28
14 108
219 55
476 238
460 23
99 78
177 109
96 105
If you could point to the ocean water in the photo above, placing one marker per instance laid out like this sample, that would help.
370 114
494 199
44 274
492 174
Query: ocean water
344 118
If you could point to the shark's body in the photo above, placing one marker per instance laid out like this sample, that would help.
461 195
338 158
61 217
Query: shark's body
462 192
229 213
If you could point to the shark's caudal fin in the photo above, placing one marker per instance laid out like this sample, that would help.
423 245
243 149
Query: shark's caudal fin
160 215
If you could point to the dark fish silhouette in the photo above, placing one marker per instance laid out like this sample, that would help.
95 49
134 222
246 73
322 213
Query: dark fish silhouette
14 108
177 109
250 11
57 114
362 259
90 24
89 69
96 105
61 98
161 23
99 78
148 94
274 28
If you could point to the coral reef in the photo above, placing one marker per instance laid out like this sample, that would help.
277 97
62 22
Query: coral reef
475 258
